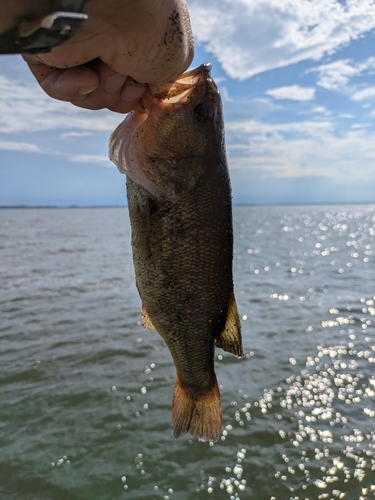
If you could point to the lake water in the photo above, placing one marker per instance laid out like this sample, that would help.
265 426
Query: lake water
85 391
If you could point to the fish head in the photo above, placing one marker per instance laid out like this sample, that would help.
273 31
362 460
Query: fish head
185 116
170 147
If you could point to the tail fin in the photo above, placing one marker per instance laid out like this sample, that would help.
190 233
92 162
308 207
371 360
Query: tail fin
197 412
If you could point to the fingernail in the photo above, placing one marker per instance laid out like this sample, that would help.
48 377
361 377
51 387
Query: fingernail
86 90
133 91
114 83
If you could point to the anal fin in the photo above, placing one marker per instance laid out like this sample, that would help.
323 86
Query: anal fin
230 338
146 322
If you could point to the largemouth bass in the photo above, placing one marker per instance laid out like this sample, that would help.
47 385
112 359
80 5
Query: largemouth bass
179 200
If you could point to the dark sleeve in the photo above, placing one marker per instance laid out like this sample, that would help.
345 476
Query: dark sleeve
36 27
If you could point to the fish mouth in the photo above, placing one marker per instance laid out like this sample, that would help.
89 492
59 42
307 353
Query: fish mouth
178 91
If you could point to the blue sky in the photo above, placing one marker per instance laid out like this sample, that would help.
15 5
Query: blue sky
298 84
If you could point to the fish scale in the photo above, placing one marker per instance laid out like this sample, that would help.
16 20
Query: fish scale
179 200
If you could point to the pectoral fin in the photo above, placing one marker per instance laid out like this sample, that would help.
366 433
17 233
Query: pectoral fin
146 322
230 338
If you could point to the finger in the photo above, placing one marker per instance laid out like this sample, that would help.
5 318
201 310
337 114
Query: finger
108 91
115 92
132 93
72 84
130 98
121 107
91 86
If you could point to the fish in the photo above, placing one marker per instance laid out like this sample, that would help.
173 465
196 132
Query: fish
180 208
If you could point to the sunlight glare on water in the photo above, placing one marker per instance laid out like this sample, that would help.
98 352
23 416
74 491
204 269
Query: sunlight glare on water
86 393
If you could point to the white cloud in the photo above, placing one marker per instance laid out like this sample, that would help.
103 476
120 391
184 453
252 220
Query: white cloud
361 95
320 109
19 146
87 158
360 125
75 134
293 92
340 76
300 149
33 148
337 75
260 35
25 108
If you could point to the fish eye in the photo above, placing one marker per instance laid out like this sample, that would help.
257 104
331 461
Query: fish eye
202 112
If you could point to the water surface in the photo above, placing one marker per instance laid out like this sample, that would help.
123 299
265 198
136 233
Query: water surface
85 391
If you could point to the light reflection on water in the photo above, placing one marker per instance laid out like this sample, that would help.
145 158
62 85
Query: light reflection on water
86 392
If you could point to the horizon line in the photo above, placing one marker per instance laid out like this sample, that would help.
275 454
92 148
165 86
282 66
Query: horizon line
286 204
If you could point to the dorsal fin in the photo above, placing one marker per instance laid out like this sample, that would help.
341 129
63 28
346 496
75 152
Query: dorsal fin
146 322
230 338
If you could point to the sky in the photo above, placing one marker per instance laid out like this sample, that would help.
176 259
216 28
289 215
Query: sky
297 80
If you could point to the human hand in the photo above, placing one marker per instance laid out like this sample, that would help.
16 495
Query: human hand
123 46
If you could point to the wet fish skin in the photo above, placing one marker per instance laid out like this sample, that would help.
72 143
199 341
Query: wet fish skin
179 201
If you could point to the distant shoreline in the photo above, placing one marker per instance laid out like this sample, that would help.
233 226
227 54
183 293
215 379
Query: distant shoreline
33 207
27 207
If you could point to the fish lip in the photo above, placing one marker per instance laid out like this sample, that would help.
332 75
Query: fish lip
203 72
178 91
